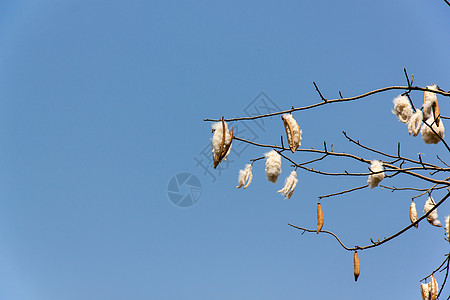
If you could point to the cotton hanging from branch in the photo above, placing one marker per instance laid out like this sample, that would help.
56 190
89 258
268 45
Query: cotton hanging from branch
402 108
396 164
293 131
415 122
289 185
413 214
245 177
432 217
273 166
375 179
221 141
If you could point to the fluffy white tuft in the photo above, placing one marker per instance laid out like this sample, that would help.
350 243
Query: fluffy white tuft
428 135
217 138
428 99
273 166
289 185
413 213
297 132
415 122
375 179
245 176
402 108
432 217
447 227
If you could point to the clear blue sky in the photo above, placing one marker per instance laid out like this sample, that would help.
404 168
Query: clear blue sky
101 104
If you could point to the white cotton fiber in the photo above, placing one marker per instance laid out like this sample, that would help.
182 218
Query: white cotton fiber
432 217
415 122
428 135
289 185
375 179
402 108
217 138
245 177
273 166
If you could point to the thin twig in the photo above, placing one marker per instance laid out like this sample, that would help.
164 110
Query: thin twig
344 192
376 244
414 88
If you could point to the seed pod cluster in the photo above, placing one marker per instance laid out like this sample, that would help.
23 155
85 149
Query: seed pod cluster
429 291
293 131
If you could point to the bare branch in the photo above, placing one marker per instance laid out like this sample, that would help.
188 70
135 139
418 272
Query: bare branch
376 244
414 88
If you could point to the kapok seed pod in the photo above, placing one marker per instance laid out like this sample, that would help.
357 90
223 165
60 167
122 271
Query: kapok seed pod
319 217
433 288
437 114
413 214
289 133
356 267
425 291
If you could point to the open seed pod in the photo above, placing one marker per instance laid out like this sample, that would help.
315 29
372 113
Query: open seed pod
413 214
221 141
356 267
293 132
425 291
319 217
434 290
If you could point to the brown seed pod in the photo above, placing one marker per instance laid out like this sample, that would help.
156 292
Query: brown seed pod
224 146
356 267
319 217
291 127
413 214
433 288
425 291
437 114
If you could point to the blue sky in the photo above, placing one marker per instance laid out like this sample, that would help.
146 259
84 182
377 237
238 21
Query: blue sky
102 102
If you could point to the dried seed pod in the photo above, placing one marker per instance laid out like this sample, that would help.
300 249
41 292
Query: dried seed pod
221 141
319 217
425 291
434 290
413 214
356 267
293 132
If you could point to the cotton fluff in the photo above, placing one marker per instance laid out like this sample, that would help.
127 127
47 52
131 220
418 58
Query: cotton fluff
429 98
402 108
245 176
375 179
295 138
428 135
413 214
273 165
217 139
432 217
415 122
289 185
447 227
